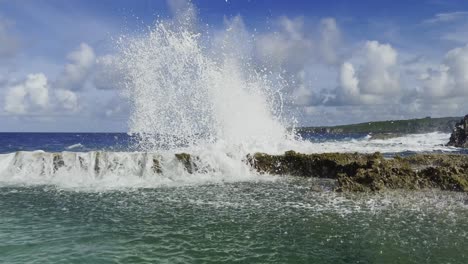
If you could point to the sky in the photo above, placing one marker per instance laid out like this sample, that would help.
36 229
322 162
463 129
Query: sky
345 61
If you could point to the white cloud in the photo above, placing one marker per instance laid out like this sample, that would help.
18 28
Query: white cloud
67 100
308 55
375 80
34 95
288 46
33 92
379 75
349 83
450 79
76 72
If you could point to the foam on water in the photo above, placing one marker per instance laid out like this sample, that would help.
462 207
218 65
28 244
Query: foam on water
98 170
428 142
74 146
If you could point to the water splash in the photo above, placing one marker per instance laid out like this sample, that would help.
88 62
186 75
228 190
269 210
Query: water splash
183 93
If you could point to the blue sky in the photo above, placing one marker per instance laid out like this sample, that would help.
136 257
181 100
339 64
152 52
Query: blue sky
351 61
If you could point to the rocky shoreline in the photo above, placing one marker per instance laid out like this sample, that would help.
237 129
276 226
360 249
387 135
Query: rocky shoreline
354 172
348 172
459 136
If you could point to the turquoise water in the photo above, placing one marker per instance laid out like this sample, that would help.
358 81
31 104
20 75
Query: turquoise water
282 221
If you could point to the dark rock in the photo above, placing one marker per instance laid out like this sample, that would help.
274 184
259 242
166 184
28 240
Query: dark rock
97 168
187 161
460 134
156 166
371 172
58 161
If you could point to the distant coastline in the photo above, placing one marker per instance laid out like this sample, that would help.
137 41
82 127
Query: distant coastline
409 126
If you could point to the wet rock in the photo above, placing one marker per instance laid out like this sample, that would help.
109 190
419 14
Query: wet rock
187 161
57 161
156 166
97 168
460 134
371 172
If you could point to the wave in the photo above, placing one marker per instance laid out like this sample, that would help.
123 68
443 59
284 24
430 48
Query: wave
113 170
428 142
75 146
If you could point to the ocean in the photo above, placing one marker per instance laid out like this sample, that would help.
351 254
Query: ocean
121 216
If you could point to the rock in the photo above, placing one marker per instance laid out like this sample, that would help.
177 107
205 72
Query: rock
460 134
371 172
156 166
188 162
58 161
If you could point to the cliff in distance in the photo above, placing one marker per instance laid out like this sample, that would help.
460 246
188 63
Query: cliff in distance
410 126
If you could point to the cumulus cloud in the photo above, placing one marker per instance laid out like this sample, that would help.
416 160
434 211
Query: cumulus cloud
349 82
33 92
8 42
67 99
301 51
77 71
450 79
37 94
34 95
375 80
288 47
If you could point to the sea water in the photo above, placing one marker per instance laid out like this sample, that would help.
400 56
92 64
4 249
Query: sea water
126 218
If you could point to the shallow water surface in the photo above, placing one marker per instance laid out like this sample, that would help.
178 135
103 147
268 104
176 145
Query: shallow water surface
283 221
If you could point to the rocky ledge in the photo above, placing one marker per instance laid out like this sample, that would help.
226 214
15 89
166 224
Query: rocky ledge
355 172
460 134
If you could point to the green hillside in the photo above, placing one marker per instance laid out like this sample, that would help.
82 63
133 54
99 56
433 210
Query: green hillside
422 125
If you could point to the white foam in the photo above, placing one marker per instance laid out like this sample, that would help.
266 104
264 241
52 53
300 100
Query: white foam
428 142
98 170
74 146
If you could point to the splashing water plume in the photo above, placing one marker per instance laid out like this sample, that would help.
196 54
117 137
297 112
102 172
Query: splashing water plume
185 94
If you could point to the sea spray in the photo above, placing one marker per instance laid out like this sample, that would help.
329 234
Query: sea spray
184 95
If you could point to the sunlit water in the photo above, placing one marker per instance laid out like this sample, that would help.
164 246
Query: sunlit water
122 217
283 221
